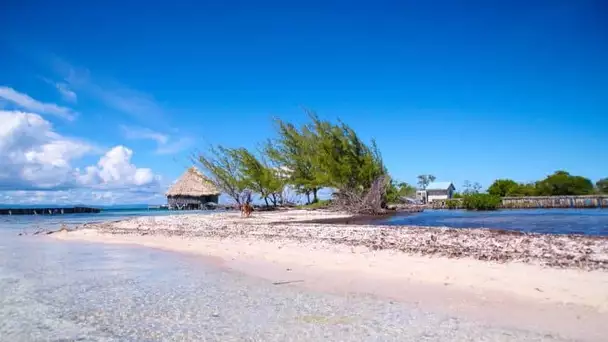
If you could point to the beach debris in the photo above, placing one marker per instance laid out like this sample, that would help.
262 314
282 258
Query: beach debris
287 282
552 250
215 314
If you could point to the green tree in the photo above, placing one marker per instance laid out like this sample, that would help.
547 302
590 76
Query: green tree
343 160
602 185
293 154
503 187
425 180
397 190
523 189
222 166
259 177
561 183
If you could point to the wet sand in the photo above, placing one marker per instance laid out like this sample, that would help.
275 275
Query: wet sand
56 290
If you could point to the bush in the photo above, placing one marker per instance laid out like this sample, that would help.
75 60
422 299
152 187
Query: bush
320 204
453 204
481 202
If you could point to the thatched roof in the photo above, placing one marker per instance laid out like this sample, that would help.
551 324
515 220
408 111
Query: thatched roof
192 183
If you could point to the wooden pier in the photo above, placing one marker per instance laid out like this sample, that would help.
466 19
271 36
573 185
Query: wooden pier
541 202
48 211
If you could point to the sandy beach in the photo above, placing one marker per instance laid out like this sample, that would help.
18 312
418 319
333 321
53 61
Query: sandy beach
555 284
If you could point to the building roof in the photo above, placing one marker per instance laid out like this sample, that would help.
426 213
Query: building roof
192 183
439 186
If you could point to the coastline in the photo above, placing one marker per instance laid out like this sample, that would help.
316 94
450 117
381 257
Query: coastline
523 291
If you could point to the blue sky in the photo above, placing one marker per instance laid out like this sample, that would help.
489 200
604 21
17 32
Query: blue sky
118 95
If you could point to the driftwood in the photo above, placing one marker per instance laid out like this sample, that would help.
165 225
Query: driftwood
369 202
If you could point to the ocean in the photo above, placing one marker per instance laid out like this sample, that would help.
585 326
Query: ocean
548 221
31 223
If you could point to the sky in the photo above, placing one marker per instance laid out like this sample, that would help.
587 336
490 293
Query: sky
106 102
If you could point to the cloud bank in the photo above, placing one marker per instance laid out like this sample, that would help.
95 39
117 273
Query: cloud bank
37 158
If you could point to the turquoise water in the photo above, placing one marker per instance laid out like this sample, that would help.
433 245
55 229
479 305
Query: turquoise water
30 223
549 221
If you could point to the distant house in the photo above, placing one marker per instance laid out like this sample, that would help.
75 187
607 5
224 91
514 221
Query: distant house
192 191
421 196
436 191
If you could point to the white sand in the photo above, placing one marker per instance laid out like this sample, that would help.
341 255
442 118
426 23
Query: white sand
570 302
563 286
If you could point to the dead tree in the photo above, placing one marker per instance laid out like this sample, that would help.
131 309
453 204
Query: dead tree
368 202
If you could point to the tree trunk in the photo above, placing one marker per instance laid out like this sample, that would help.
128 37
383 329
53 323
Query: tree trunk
274 199
307 197
266 200
315 198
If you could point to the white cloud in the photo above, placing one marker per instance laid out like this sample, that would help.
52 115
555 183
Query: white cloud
67 94
26 102
80 196
115 169
35 157
144 133
164 143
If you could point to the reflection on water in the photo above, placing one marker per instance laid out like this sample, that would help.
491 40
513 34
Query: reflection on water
554 221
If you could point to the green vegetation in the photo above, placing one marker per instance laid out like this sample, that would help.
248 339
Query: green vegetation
560 183
503 187
293 153
320 204
398 190
453 203
223 169
315 155
602 186
259 177
481 202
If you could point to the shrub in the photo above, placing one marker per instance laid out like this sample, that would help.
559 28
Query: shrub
453 204
481 202
320 204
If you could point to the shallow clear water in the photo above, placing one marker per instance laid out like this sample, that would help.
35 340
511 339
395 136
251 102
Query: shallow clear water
52 290
553 221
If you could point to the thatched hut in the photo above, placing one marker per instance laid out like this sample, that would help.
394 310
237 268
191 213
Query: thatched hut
192 191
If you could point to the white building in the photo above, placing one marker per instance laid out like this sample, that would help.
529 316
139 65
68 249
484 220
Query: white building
436 191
